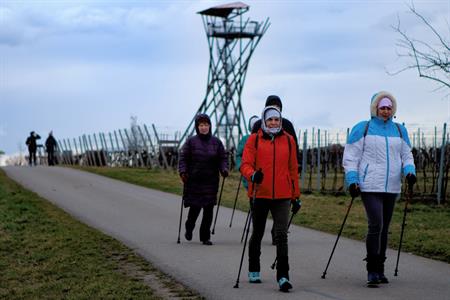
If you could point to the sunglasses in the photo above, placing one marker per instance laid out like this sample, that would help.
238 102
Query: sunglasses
385 108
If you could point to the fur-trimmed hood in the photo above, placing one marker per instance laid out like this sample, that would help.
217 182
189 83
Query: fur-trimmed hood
377 97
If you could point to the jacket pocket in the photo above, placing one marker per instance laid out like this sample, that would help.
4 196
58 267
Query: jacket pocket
290 184
365 172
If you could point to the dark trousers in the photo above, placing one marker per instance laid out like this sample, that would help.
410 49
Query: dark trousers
379 208
205 227
31 157
280 215
51 158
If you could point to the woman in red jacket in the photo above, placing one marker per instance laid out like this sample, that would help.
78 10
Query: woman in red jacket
270 163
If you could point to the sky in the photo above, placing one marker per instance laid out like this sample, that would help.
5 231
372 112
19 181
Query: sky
83 67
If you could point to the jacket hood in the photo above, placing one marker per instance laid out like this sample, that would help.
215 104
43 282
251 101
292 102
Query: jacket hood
202 118
377 97
251 122
265 129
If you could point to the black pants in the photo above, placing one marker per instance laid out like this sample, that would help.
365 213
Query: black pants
51 158
205 227
280 214
379 208
31 157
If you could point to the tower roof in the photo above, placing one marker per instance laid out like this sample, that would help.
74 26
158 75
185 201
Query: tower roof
223 10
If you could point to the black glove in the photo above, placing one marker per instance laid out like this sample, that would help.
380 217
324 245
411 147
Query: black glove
257 177
354 190
184 177
411 178
224 173
296 205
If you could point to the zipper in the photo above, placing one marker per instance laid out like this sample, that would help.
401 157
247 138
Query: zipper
273 170
387 160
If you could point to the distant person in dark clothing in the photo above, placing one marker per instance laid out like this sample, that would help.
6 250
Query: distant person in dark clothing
202 158
50 145
32 147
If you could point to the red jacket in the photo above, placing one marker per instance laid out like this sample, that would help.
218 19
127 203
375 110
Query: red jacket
278 160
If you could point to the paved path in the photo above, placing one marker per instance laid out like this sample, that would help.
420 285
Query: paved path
147 221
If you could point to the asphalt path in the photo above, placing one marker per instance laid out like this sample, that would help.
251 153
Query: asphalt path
146 220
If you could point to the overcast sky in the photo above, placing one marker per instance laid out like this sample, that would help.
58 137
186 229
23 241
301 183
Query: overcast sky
82 67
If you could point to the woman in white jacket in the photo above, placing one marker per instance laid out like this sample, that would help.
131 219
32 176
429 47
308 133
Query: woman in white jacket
377 154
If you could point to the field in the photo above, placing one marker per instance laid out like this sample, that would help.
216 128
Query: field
46 254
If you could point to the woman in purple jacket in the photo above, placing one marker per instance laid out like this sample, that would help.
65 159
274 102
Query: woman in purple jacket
202 157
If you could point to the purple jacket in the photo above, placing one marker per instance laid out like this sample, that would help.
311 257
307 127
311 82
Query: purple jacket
202 157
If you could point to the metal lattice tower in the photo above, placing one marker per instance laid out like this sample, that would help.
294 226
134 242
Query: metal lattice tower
231 41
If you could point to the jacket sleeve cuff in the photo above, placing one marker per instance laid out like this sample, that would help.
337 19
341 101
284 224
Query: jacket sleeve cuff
409 169
351 177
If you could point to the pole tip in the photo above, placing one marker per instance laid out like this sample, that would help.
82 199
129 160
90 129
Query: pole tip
323 276
236 286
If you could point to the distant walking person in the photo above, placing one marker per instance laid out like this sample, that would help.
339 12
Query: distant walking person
269 164
202 158
376 155
50 145
32 147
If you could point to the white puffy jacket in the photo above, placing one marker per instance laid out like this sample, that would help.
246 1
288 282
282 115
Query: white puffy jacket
376 161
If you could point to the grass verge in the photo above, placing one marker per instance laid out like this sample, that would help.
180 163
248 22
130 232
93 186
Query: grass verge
45 253
427 232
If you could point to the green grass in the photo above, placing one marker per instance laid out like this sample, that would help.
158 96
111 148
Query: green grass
427 232
45 253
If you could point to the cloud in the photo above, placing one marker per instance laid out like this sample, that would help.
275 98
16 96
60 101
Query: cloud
29 24
82 67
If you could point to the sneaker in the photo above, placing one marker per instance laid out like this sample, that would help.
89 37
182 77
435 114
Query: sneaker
188 235
372 279
208 243
254 277
284 285
382 278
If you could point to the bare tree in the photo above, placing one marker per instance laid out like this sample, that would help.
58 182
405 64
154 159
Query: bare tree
431 58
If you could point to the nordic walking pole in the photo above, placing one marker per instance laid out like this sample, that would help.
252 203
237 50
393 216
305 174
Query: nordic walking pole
289 224
181 217
235 199
245 225
337 239
408 198
236 286
218 205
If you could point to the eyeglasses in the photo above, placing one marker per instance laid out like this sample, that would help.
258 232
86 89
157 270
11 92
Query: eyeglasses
385 108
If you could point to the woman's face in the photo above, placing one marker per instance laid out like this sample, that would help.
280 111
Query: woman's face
203 128
384 112
273 122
